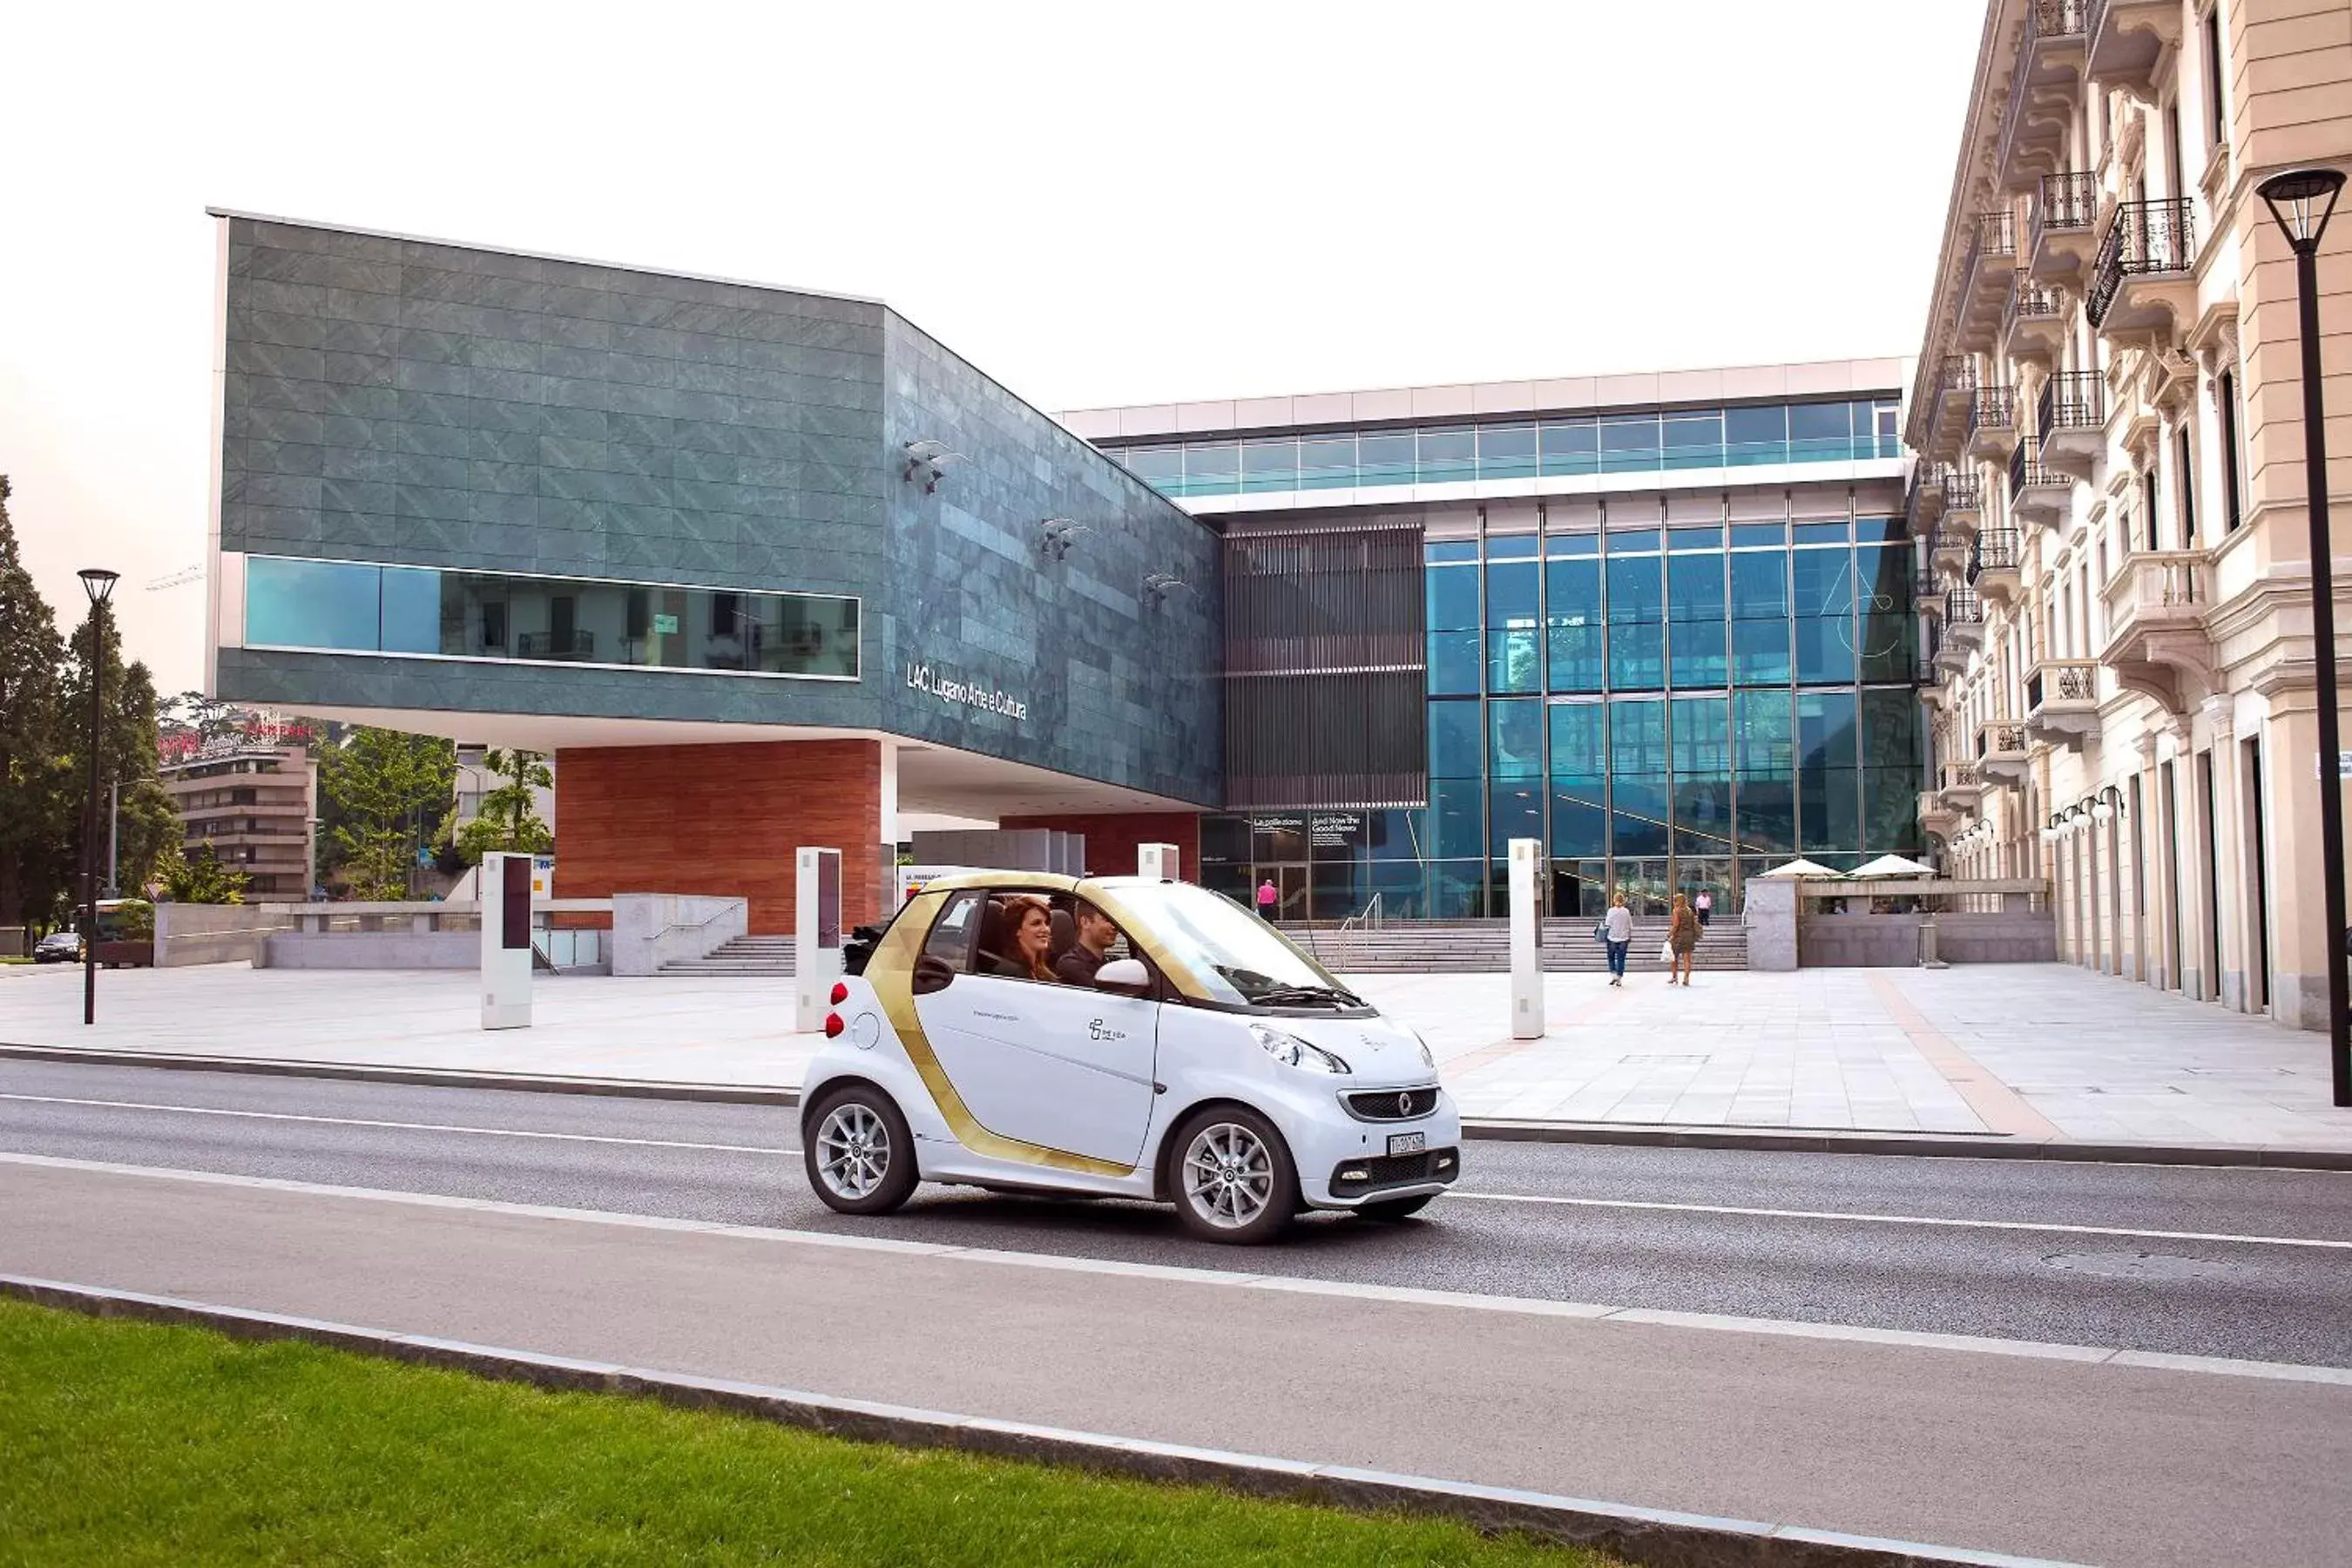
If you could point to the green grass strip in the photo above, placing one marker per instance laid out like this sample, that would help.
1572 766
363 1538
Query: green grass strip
126 1443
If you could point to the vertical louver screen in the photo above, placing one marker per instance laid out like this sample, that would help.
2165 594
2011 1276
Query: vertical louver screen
1326 674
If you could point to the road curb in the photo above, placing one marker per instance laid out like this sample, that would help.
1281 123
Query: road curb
436 1077
1655 1537
1819 1140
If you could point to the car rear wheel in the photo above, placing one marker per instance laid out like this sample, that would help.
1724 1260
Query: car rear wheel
860 1156
1394 1208
1234 1180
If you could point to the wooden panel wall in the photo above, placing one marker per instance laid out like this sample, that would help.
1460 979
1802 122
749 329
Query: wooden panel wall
721 820
1113 839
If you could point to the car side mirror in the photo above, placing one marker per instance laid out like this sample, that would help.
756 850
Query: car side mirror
932 975
1126 975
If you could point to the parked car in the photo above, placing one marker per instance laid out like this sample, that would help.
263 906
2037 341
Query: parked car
59 947
1209 1063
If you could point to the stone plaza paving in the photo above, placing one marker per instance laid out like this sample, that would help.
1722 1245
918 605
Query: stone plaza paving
2028 1052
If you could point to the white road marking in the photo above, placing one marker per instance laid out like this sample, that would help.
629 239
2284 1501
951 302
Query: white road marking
398 1126
2123 1232
2052 1226
2086 1355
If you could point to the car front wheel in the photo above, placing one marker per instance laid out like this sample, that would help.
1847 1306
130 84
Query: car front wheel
1234 1180
860 1156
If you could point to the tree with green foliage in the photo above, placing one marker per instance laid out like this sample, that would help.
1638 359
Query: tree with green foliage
144 820
200 877
37 796
509 822
384 794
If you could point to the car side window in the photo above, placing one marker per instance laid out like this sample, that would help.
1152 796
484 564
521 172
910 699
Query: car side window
950 941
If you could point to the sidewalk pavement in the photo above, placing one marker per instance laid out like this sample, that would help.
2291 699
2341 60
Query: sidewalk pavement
2044 1053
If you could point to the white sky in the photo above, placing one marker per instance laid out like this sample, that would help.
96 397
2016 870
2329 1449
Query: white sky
1097 204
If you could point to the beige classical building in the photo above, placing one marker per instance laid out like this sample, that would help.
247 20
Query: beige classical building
2110 496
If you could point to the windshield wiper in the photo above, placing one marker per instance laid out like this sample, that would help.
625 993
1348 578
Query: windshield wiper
1329 995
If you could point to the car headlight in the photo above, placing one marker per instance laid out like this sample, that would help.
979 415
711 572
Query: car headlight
1292 1051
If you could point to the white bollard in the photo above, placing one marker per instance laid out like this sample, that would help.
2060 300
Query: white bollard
1159 862
503 894
816 936
1527 939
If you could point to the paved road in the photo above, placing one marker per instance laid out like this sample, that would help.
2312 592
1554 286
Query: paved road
2250 1264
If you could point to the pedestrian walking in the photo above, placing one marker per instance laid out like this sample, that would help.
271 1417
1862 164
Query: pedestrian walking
1617 931
1704 905
1682 936
1267 897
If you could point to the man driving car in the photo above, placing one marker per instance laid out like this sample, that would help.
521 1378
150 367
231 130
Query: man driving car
1095 934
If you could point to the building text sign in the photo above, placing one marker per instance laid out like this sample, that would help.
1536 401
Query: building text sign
965 693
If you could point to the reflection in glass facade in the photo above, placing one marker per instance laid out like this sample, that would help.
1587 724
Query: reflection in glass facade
1632 443
355 607
1667 708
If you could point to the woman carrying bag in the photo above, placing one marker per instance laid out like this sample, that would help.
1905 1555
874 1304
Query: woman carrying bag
1682 936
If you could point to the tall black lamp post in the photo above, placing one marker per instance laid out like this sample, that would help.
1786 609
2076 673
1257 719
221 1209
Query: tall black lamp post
2301 201
99 582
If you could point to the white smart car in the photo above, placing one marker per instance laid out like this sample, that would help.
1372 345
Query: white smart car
1118 1037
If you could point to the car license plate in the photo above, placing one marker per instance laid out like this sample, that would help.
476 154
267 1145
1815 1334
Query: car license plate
1408 1143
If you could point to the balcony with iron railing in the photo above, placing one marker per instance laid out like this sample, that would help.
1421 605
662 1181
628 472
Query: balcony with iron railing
2061 701
2065 210
1985 272
2126 39
2037 492
1964 784
1927 593
2072 420
1994 563
1963 614
2140 279
2001 752
2034 327
1992 421
1963 490
2044 87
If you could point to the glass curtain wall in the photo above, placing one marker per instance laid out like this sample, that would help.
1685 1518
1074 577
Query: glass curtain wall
1669 709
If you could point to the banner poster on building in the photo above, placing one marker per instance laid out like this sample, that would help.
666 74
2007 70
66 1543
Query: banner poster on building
1335 830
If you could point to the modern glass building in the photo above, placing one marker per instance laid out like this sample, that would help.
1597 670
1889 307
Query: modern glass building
1673 639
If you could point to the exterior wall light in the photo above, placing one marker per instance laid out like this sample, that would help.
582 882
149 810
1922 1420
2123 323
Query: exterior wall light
1160 585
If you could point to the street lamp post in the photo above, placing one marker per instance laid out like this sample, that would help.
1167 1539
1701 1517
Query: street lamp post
99 583
2301 201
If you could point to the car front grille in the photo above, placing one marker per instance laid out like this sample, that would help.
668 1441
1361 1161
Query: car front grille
1352 1177
1391 1104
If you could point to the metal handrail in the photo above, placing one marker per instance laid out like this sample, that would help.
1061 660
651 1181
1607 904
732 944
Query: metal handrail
1368 918
729 909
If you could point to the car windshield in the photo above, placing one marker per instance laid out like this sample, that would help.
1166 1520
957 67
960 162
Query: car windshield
1239 956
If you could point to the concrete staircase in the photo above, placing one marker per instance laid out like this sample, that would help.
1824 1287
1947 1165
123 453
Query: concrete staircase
765 956
1476 947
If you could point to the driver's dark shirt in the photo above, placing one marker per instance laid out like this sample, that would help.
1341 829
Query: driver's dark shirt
1077 966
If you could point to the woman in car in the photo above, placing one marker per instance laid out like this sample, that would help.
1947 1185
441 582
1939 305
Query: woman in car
1029 933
